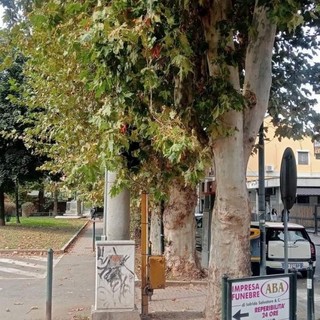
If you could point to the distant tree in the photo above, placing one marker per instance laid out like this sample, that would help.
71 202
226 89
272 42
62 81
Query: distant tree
17 163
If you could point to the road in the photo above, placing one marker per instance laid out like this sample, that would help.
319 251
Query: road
24 287
24 267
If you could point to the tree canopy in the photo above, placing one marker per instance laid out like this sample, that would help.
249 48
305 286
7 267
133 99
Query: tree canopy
127 64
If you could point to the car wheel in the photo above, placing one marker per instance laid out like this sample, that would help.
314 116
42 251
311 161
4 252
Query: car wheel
255 269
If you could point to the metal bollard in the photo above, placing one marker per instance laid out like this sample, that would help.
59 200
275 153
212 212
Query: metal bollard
310 292
224 311
49 285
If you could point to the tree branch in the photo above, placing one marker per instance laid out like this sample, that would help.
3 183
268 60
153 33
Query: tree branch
257 82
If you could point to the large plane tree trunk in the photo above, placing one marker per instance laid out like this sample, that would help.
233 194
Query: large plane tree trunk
156 230
230 220
179 231
229 253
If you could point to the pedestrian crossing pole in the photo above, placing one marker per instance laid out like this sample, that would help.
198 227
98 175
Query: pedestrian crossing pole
310 292
49 285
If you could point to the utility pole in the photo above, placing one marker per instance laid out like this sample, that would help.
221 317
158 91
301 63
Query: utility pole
262 204
105 205
144 256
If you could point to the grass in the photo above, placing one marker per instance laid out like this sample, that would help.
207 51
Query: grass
36 233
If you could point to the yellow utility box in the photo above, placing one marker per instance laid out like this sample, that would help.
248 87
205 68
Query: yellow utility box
157 272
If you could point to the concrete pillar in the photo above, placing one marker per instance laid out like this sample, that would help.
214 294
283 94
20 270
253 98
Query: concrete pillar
118 212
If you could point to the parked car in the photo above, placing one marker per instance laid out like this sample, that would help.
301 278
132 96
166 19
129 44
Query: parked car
301 250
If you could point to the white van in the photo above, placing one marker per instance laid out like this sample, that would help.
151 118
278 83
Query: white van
301 250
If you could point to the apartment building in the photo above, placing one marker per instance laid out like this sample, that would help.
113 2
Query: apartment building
307 154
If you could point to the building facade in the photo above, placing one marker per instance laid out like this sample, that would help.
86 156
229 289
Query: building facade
307 154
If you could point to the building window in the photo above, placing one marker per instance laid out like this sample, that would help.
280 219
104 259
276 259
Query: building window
303 157
316 148
302 199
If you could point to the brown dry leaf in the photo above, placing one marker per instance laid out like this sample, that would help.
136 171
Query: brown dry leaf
77 309
33 308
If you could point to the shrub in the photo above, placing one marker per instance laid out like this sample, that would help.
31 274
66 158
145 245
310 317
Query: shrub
9 208
28 209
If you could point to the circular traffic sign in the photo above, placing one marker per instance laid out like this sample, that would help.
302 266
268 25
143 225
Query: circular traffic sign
288 179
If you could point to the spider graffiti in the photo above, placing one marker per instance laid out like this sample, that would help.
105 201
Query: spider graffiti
112 270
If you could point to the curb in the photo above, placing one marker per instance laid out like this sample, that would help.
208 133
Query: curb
45 251
173 283
67 245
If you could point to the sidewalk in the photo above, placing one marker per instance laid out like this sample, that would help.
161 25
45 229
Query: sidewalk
74 291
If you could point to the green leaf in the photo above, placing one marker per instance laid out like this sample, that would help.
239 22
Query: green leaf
73 8
39 20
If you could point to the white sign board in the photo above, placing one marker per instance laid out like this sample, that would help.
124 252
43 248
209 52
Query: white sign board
267 299
115 275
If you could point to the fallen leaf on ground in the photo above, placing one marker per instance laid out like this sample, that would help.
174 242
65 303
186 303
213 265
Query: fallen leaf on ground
33 308
77 309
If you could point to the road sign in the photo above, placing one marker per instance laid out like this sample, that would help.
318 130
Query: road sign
288 179
265 297
288 190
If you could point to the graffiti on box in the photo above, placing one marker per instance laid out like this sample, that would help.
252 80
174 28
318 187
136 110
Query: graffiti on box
115 277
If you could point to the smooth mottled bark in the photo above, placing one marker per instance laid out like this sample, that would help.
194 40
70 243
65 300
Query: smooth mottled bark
230 220
229 252
156 231
179 230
